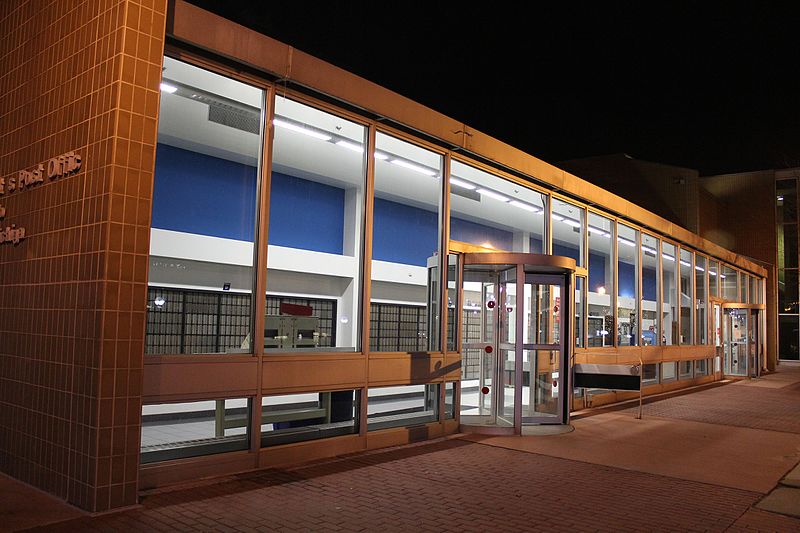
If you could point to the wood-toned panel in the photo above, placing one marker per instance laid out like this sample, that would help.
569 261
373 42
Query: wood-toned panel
312 375
409 368
452 367
194 468
302 452
167 380
398 436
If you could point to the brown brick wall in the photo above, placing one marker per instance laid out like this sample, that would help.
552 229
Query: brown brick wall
76 76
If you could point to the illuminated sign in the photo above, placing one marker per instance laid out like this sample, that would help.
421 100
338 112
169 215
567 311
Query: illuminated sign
57 167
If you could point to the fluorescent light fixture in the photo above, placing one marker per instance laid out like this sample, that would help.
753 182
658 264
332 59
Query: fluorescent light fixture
492 194
684 263
722 276
523 205
355 147
701 269
649 250
712 273
780 197
598 231
625 241
461 183
300 129
413 166
556 216
381 156
572 222
667 257
167 88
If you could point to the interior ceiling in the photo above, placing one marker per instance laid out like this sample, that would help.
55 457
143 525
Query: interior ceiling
185 123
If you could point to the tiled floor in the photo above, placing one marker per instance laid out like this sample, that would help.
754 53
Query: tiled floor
461 484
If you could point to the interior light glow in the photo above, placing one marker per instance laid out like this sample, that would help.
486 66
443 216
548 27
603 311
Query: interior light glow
381 156
701 269
355 147
413 166
601 290
492 194
167 88
461 183
649 250
572 222
667 257
780 197
300 129
684 263
556 216
526 207
625 241
722 276
599 231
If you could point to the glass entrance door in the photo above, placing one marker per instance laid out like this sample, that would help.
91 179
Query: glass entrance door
735 342
514 366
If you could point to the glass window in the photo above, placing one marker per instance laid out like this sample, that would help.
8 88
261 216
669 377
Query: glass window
701 367
788 336
308 416
788 291
568 229
713 278
405 242
685 369
204 213
687 297
495 213
786 200
753 284
601 284
580 310
650 374
787 246
650 314
669 284
316 217
401 406
449 400
669 371
179 430
453 295
729 279
627 285
701 299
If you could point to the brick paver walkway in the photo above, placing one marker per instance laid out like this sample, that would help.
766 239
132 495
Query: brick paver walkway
460 485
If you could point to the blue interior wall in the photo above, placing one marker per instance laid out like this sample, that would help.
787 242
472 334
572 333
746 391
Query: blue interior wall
403 234
466 231
196 193
567 251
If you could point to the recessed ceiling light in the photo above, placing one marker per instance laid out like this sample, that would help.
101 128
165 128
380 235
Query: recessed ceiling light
413 166
355 147
461 183
167 88
300 129
523 205
492 194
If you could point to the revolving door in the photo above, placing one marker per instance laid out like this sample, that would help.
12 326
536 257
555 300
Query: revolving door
515 353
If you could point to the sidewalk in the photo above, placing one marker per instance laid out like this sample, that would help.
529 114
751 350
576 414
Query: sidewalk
699 462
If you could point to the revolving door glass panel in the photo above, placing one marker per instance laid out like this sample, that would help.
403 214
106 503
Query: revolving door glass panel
542 349
488 368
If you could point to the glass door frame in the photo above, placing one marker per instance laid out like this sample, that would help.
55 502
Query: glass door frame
755 312
549 267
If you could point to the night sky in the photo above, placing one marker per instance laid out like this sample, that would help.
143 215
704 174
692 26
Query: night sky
715 88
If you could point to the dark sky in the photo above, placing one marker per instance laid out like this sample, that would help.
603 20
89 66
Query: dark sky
715 88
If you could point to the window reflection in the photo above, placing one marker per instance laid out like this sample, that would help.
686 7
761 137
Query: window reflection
627 285
601 286
650 271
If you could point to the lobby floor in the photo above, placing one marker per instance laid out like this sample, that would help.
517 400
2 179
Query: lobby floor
697 462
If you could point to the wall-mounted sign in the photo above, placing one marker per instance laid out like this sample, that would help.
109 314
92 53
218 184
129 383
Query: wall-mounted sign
57 167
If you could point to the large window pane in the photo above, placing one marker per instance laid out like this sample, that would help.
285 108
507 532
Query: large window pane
788 337
713 278
650 266
786 200
787 246
497 214
308 416
179 430
568 228
687 297
580 310
788 291
405 244
669 285
316 218
601 285
729 279
627 285
204 213
701 298
401 406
